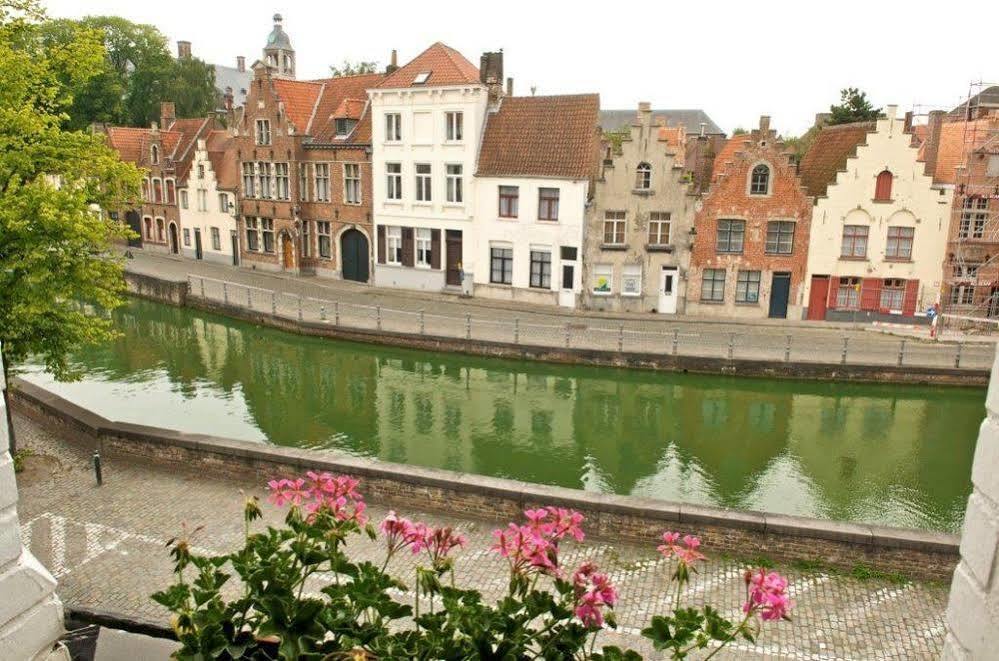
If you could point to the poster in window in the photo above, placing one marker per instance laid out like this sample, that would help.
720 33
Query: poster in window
601 282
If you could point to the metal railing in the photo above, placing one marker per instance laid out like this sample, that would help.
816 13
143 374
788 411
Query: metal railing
762 343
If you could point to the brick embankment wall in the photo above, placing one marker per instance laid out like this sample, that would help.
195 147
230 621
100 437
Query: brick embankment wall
917 554
157 288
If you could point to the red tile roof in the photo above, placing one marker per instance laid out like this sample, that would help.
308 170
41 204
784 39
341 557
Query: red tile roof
299 98
828 154
957 139
445 65
347 94
221 152
727 154
349 109
543 136
127 141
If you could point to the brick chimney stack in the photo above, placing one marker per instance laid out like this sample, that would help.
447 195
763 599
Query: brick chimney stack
240 63
764 125
491 74
168 113
393 65
932 144
184 50
509 86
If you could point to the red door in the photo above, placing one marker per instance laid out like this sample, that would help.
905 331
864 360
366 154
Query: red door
817 298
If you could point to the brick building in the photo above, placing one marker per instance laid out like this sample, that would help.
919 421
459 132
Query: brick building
752 232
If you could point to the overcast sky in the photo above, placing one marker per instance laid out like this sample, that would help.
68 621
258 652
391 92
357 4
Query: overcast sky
735 60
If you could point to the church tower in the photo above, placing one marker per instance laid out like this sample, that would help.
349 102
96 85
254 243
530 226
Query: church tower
278 53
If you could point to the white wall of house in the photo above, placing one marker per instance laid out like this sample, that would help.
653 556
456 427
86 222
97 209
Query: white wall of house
204 213
526 233
915 203
423 141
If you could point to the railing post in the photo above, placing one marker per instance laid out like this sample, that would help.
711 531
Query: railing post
378 317
249 298
957 356
516 330
567 335
423 326
901 353
299 307
225 292
842 358
620 338
731 345
676 340
468 326
322 312
336 313
274 303
787 350
202 287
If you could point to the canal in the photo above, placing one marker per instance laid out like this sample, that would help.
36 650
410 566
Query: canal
897 455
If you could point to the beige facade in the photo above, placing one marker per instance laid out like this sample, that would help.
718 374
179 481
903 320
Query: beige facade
637 246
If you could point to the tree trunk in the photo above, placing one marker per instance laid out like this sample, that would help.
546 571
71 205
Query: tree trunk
6 402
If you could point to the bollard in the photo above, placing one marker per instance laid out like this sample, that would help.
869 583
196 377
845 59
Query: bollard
620 338
378 317
97 468
249 298
274 303
202 287
225 293
336 313
842 358
787 350
468 326
567 336
957 356
731 345
901 353
676 340
300 308
322 312
423 327
516 330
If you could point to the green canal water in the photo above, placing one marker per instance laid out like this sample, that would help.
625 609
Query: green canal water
897 455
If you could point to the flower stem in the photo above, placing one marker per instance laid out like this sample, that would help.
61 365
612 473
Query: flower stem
731 637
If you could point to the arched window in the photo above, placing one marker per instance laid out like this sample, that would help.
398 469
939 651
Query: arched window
159 230
882 189
643 176
154 154
759 183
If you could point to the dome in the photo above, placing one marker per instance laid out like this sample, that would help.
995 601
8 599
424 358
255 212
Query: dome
278 38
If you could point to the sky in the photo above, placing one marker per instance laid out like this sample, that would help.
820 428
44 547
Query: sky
735 60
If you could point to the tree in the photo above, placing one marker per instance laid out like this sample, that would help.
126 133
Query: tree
55 244
191 86
739 131
348 68
853 107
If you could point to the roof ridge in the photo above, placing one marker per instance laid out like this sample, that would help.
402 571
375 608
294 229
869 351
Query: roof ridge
315 109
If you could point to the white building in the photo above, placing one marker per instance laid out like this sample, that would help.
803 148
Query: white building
427 120
208 202
536 165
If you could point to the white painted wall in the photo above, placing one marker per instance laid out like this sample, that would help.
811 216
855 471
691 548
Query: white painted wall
31 619
213 216
525 233
915 203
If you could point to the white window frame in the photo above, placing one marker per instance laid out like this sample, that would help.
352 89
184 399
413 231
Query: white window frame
183 198
249 180
351 183
202 200
393 182
262 132
454 183
393 244
282 181
216 238
324 230
393 127
605 271
660 220
252 229
223 202
454 129
322 180
424 183
631 280
423 241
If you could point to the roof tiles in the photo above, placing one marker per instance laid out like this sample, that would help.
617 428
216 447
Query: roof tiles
445 65
828 154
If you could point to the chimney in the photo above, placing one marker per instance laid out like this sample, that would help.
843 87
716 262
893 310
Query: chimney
644 116
240 63
891 111
704 128
168 113
822 118
393 65
931 147
491 68
764 125
183 50
509 86
228 99
907 126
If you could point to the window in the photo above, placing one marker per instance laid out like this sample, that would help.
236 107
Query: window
264 172
423 248
187 237
848 293
973 216
731 234
713 285
149 227
145 190
249 183
780 237
393 174
603 279
962 295
306 238
423 193
159 230
393 127
454 184
216 239
614 227
421 78
157 190
541 269
882 188
759 182
899 243
324 232
352 183
282 179
322 171
548 203
202 200
183 198
154 154
968 271
171 191
509 201
454 121
643 176
201 171
631 280
263 133
267 228
344 126
747 287
393 241
223 203
891 294
502 266
303 182
252 234
659 228
854 241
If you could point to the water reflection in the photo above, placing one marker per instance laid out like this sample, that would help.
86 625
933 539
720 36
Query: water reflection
898 455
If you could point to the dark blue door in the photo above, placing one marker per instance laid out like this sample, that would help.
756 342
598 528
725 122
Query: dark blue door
354 256
780 291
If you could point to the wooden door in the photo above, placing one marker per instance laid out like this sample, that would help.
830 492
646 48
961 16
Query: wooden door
780 292
453 275
818 297
354 256
287 252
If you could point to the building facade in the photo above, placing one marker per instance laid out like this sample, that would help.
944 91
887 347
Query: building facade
752 232
532 187
638 227
426 121
879 226
207 202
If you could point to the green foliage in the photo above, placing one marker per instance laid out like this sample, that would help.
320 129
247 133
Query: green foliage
865 573
191 86
739 131
54 244
616 138
853 107
19 456
348 68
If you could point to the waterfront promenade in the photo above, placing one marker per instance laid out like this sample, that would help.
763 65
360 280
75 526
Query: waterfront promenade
106 546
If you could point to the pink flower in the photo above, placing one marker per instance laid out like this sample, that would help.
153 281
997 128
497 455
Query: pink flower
593 591
317 491
766 595
686 552
440 542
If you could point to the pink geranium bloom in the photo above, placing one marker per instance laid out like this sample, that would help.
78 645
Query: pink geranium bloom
593 591
766 595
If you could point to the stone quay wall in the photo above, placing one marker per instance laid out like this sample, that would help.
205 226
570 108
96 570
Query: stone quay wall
157 288
916 554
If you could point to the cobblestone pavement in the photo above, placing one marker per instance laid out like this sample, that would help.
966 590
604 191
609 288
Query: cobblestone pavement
105 545
362 306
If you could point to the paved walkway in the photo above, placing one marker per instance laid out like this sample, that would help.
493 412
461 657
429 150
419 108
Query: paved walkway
106 547
764 339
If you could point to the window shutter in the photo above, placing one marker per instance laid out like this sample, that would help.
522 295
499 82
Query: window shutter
909 297
870 294
435 249
407 246
833 292
381 244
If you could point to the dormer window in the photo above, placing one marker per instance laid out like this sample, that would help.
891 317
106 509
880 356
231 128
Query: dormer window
154 155
201 171
882 188
759 183
643 177
421 78
344 126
